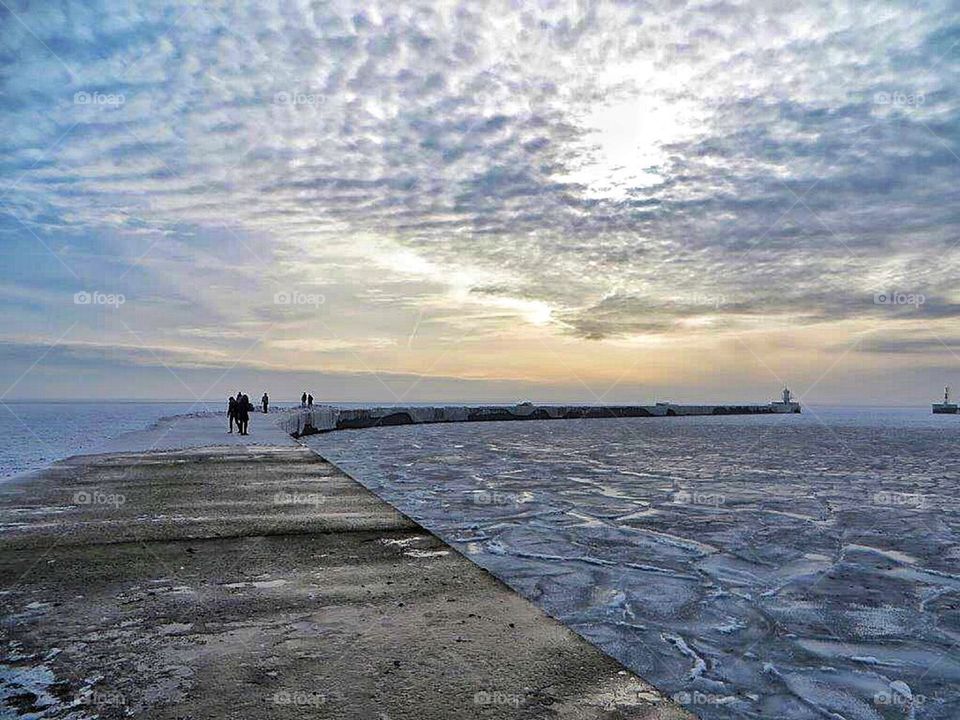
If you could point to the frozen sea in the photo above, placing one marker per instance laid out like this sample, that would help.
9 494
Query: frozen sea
35 434
792 566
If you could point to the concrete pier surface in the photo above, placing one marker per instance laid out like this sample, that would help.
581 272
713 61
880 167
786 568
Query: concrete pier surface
246 581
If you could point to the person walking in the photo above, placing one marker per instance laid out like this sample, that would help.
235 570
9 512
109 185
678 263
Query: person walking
309 401
243 413
232 412
303 400
237 413
265 401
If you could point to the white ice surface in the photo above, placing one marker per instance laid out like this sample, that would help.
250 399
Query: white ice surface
759 567
199 430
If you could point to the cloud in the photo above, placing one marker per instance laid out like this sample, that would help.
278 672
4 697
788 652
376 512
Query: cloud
607 171
317 345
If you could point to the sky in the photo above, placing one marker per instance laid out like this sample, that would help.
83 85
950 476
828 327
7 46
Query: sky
556 201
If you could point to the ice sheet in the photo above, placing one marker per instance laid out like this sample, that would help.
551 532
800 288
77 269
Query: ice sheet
755 567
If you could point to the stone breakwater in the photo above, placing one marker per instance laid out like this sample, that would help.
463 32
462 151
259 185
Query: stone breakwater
326 418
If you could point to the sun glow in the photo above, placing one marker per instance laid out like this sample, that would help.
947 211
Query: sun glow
626 144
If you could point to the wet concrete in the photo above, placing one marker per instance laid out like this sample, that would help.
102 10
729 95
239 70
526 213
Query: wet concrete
261 582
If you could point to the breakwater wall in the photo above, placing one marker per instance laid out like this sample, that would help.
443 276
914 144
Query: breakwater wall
327 418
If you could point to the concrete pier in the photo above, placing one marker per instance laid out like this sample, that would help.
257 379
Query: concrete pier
262 582
326 418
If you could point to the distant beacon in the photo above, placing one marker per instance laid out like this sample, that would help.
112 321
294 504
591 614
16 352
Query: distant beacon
787 404
946 407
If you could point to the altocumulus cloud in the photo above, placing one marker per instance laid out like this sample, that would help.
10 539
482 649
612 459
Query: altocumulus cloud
608 169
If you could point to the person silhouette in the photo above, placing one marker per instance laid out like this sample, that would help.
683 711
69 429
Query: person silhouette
243 413
232 413
309 401
303 400
265 401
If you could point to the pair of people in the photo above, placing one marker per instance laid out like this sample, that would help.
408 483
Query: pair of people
238 411
306 400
